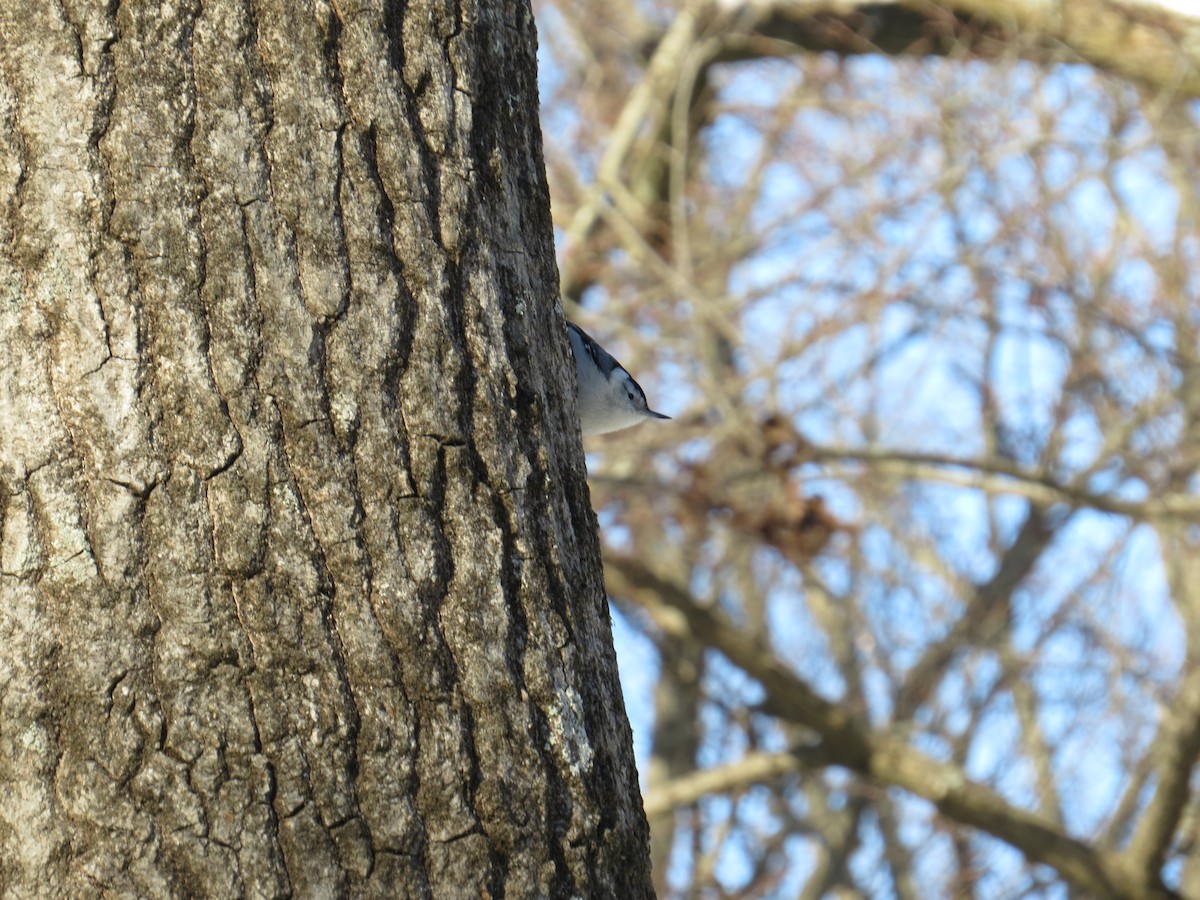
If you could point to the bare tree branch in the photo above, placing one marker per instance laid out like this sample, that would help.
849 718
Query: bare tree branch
1039 487
882 756
1148 43
1177 745
988 610
751 769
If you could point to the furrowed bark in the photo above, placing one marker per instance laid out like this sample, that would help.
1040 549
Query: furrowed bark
300 590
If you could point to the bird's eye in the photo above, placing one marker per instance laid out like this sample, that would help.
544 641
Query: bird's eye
630 396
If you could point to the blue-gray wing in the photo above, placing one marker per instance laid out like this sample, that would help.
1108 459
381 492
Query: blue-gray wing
601 357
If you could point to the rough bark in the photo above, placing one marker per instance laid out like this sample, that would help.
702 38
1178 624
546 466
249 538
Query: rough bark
301 591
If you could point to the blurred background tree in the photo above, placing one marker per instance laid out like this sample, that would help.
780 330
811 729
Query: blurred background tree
908 600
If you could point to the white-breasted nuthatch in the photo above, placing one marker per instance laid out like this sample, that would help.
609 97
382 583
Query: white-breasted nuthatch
609 398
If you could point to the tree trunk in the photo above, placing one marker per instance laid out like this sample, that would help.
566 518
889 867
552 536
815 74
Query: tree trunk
301 591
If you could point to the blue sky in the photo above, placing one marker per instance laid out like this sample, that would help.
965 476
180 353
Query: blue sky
1024 132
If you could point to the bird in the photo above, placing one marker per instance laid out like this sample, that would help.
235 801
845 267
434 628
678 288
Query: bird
609 398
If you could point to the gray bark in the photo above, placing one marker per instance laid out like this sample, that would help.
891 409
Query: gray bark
300 591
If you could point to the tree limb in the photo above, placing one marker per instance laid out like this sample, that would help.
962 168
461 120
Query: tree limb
880 756
1177 744
987 610
1149 43
753 768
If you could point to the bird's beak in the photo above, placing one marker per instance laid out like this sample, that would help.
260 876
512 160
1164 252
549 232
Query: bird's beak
656 415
